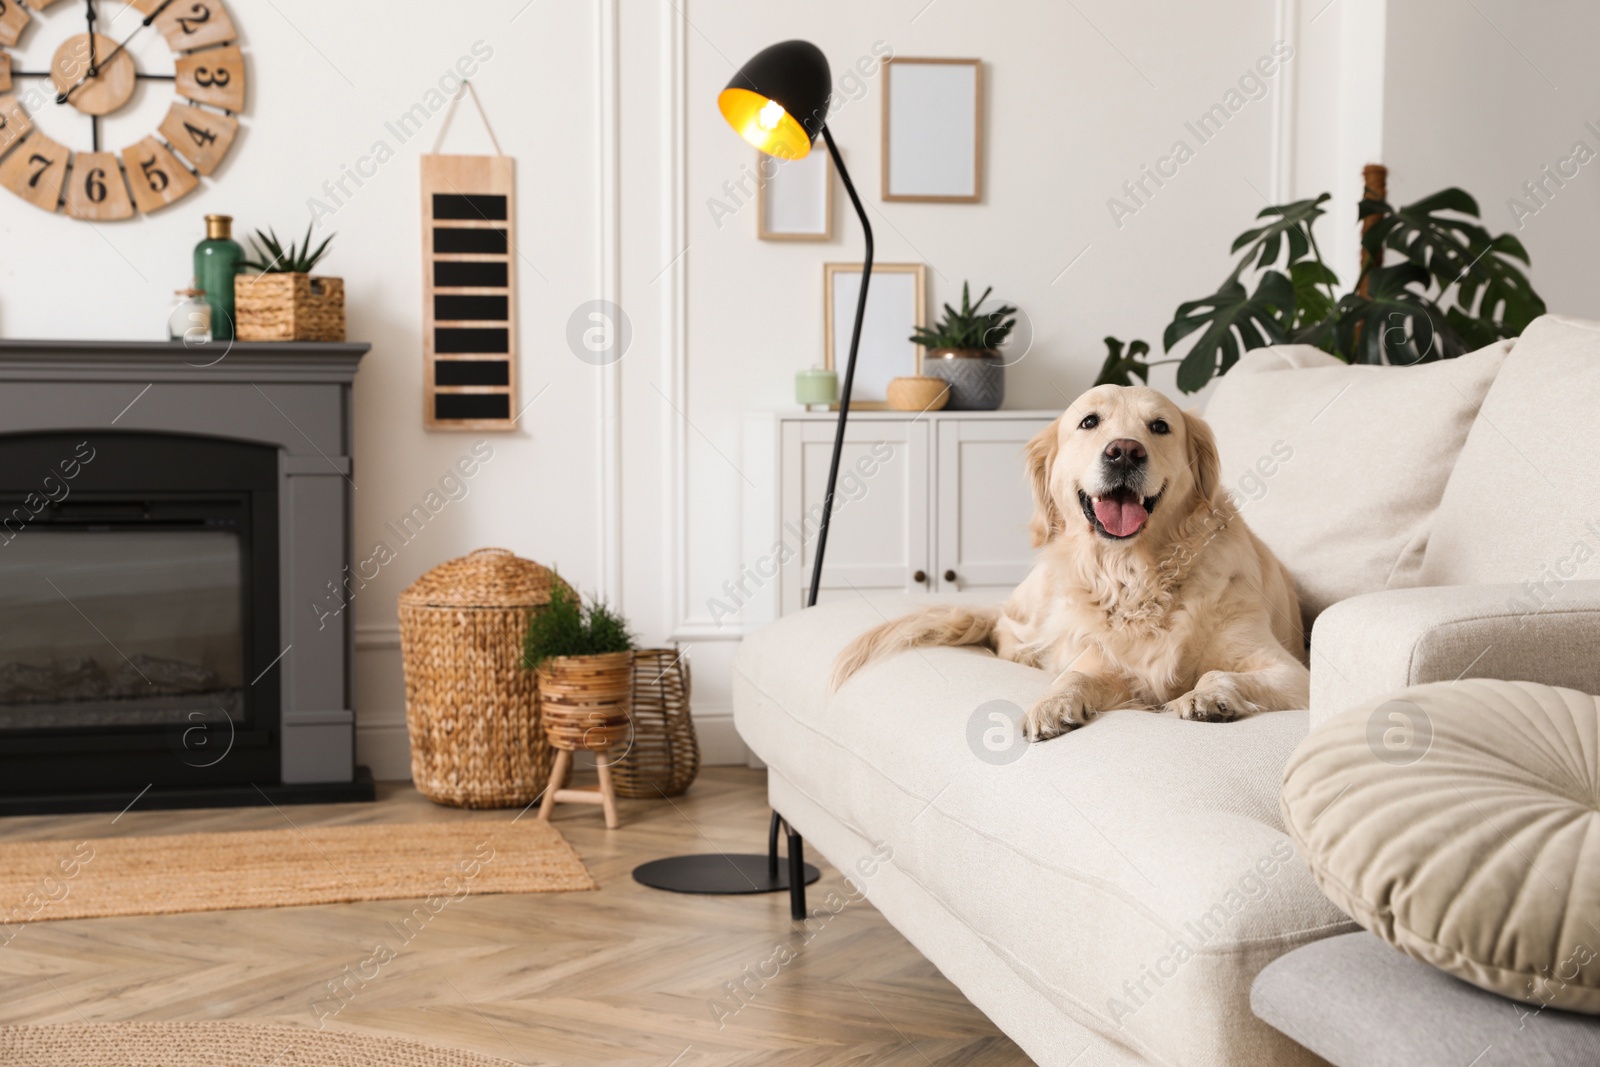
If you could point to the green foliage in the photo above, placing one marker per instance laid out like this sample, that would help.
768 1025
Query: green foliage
1119 369
566 626
969 328
1455 289
273 258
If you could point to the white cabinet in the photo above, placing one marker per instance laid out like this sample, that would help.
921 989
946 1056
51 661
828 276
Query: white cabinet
930 503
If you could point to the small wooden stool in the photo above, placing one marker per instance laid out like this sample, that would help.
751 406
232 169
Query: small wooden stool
585 703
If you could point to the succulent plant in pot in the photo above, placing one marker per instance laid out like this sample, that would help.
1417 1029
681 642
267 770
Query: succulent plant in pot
962 350
282 301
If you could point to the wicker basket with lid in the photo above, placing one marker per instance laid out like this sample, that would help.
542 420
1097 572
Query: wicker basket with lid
472 710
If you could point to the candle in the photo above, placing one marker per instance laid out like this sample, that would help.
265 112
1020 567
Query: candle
816 386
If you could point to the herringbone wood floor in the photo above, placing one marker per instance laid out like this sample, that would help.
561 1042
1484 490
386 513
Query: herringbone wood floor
626 975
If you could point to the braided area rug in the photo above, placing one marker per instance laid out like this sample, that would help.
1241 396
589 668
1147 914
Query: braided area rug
437 862
217 1045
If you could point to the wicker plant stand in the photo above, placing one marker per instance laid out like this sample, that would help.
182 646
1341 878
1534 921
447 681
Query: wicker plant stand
472 710
585 703
664 755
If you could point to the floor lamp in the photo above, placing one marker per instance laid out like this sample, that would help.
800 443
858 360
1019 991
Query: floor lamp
778 101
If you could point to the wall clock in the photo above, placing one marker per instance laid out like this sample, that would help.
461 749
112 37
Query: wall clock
87 87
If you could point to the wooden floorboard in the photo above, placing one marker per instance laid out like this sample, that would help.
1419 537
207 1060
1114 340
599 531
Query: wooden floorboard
626 975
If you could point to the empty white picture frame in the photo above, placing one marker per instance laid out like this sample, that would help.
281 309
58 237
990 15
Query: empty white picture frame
933 130
794 198
896 304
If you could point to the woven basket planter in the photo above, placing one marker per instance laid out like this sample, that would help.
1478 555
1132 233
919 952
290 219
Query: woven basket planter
288 307
472 709
585 701
665 755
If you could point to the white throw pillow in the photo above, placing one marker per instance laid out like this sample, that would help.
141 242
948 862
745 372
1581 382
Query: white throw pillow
1340 468
1523 503
1460 822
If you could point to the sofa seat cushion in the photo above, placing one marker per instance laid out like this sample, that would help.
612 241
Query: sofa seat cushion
1339 468
1358 1003
1460 822
1135 872
1523 501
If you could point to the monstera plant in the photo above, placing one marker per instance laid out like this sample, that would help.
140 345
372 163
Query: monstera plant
1454 289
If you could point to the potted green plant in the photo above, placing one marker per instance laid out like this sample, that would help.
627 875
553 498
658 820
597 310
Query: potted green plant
583 654
962 350
282 301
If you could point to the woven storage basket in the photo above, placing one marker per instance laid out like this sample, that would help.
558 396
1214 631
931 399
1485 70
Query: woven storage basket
288 307
665 755
472 710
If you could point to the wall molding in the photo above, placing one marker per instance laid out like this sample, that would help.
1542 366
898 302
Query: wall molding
609 285
1280 183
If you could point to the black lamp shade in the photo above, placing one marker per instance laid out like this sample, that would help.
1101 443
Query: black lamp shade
778 101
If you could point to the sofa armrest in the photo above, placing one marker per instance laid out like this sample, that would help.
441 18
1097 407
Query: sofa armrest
1379 643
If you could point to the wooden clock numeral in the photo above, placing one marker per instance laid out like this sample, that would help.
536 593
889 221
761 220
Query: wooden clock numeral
156 175
5 73
13 17
34 171
191 24
202 137
95 189
14 122
215 77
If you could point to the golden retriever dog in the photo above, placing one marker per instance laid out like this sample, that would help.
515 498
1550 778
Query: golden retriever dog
1149 590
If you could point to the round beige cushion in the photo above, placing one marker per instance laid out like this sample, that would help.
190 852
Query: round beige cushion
1460 821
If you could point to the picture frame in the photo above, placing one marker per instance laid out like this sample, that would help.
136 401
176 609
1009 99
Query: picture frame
896 305
932 130
794 203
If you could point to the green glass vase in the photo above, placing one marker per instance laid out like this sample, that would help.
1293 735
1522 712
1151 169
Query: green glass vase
216 261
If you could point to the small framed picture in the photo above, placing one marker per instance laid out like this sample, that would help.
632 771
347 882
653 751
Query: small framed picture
794 198
933 130
896 305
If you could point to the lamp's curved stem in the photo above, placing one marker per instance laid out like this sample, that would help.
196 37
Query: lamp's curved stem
849 369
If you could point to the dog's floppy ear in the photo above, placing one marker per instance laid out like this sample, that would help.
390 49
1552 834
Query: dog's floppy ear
1204 461
1047 520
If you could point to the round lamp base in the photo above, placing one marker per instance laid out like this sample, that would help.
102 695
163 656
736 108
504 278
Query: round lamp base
716 874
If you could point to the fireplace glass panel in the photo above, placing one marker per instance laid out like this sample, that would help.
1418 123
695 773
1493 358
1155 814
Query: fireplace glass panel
121 627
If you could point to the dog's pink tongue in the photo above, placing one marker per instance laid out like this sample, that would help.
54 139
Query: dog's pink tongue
1121 518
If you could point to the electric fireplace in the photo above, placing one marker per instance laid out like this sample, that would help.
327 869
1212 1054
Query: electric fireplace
171 518
138 611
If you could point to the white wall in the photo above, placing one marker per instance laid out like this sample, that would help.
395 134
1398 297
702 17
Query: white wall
1485 96
626 477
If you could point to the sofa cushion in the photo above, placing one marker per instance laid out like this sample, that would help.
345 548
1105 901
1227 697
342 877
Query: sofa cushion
1356 1002
1460 822
1339 468
1523 503
1134 872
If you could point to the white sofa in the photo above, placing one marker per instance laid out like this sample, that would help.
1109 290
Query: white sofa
1108 897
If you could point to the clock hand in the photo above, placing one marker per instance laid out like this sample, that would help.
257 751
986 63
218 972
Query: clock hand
62 98
94 67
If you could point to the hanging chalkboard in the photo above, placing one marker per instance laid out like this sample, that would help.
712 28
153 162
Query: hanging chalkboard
469 293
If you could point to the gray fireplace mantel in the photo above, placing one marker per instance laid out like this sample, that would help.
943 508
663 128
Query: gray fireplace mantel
295 397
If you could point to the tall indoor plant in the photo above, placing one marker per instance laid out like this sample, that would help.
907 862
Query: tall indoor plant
1455 289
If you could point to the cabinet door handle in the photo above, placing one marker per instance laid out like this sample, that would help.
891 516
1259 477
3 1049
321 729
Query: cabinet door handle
949 576
920 577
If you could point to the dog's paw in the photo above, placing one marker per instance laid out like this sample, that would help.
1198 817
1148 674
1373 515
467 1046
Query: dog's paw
1202 705
1063 709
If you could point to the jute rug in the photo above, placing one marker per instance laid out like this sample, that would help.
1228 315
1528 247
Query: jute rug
439 862
216 1045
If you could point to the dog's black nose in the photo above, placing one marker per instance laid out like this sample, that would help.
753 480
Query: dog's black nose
1125 454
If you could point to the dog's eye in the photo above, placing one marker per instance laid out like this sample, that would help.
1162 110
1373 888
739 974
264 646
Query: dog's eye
1160 426
1089 422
